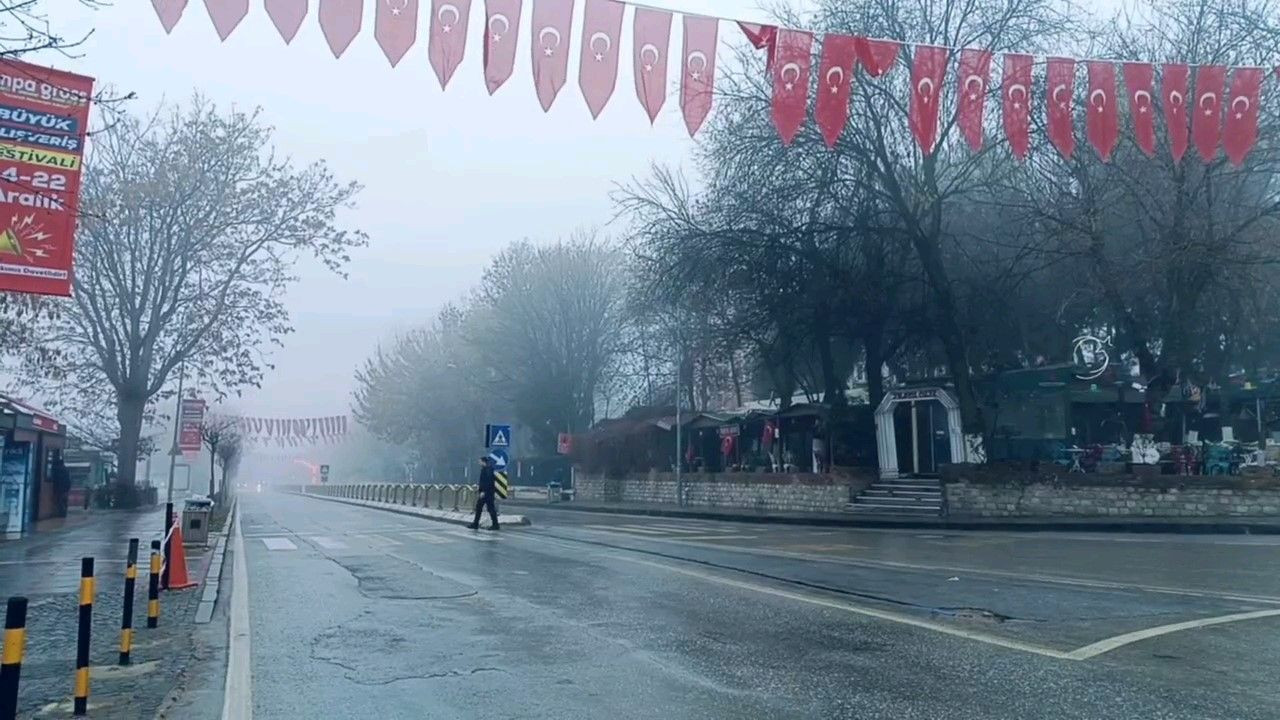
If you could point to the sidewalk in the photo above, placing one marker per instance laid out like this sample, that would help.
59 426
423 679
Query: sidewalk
1227 525
45 567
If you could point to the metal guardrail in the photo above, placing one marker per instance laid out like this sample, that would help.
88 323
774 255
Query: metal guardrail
439 497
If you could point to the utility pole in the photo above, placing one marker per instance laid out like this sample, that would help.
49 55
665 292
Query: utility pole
177 422
679 368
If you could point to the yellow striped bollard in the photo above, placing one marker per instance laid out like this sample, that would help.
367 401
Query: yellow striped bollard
153 587
15 636
82 637
126 622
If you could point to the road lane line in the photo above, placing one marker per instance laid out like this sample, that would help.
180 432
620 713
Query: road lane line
428 537
1111 643
330 543
237 700
715 537
279 543
380 541
861 610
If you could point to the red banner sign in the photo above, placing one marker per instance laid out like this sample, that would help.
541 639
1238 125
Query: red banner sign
43 115
190 418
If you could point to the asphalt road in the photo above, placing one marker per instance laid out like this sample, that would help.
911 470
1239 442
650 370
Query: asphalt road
360 613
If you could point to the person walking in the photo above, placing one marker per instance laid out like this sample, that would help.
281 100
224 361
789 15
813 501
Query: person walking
488 487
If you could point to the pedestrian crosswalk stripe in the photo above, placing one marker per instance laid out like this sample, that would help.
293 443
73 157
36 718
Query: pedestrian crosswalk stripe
380 541
428 537
690 528
487 535
279 543
634 529
330 543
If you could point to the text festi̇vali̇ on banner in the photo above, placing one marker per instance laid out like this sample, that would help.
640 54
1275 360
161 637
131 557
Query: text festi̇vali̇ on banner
43 116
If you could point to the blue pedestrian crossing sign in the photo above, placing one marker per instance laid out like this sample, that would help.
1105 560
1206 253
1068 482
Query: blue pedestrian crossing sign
497 436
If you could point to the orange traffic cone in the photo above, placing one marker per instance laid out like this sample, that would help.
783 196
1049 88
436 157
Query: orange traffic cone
178 579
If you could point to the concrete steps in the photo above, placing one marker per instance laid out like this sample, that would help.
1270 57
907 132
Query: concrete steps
900 496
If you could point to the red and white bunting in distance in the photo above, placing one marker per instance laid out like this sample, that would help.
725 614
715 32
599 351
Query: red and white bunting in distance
651 41
340 22
971 94
395 28
791 64
927 71
1102 122
287 16
1174 79
598 63
877 57
447 41
1240 132
502 22
226 15
1016 93
697 79
835 84
1206 123
551 26
1060 81
169 11
1139 81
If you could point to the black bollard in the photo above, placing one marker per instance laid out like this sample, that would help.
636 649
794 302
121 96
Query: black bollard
15 636
126 622
82 637
153 587
168 545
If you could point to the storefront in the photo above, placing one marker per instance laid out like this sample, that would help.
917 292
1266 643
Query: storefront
32 439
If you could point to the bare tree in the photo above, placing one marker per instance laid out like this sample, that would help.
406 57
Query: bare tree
218 432
230 452
25 27
190 227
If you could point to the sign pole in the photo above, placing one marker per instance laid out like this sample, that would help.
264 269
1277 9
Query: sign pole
177 422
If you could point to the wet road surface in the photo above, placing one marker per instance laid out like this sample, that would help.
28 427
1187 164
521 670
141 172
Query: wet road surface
359 613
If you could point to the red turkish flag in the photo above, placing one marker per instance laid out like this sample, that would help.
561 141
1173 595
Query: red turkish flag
877 56
169 12
791 82
1206 120
1016 107
762 37
226 14
502 20
287 16
1173 97
835 83
395 27
650 43
927 72
971 94
1102 124
447 38
598 64
697 78
340 23
1139 81
1241 129
550 48
1060 80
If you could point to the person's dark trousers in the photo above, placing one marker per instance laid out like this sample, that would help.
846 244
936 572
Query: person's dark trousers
486 501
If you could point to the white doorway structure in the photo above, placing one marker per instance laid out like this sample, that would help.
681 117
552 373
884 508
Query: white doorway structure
917 431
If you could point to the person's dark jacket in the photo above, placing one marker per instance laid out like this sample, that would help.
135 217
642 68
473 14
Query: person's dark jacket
488 483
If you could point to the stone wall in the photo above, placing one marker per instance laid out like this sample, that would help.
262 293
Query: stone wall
762 492
999 492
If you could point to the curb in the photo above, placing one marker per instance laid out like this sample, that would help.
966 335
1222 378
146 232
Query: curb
213 580
1270 527
446 516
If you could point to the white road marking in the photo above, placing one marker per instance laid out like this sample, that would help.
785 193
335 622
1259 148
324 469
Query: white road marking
428 537
380 541
237 700
713 537
279 543
1111 643
633 529
481 535
330 543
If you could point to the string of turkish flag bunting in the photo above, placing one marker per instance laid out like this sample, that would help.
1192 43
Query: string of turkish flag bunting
291 431
789 65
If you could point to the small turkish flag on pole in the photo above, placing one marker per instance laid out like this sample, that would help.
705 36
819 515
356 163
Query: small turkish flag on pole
791 64
697 79
550 48
1102 124
447 39
1173 96
1016 94
395 28
340 22
1241 129
1139 81
971 94
927 70
287 16
835 84
1206 122
598 64
651 40
502 20
1060 83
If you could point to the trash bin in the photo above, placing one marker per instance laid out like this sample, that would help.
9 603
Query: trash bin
195 521
553 492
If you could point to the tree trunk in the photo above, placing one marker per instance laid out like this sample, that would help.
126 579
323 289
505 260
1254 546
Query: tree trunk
213 453
129 411
873 356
